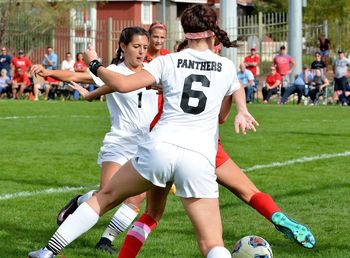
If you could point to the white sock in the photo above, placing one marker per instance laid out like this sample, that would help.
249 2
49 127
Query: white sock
85 197
74 226
120 221
219 252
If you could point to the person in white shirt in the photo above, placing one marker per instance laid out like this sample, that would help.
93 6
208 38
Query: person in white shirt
194 83
68 63
130 114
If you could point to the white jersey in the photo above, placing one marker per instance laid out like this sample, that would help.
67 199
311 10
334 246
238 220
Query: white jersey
194 85
131 113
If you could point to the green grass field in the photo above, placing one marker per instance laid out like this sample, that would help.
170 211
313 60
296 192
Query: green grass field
53 145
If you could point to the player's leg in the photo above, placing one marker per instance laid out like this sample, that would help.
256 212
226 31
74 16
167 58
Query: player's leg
234 179
205 217
87 214
137 235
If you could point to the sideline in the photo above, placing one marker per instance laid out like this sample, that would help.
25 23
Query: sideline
248 169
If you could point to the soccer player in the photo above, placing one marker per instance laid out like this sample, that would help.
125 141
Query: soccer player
130 114
162 156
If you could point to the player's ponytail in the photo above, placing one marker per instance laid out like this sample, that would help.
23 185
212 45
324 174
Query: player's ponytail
201 21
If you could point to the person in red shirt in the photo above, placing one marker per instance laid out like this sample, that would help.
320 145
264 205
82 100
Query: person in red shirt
273 83
20 81
158 33
252 61
22 62
79 66
284 65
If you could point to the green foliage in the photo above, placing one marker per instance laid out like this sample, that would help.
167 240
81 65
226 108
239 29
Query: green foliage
55 144
270 6
30 24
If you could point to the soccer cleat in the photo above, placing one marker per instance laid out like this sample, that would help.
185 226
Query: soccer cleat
67 210
42 253
105 245
293 230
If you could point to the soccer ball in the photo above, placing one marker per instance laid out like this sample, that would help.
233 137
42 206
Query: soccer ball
252 247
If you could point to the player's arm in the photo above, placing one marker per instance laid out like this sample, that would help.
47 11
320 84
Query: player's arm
225 109
119 82
90 96
62 75
244 120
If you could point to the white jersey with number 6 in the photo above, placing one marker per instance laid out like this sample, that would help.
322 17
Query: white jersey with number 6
194 85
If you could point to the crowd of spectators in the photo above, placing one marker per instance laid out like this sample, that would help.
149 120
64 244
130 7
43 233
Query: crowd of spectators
16 80
310 84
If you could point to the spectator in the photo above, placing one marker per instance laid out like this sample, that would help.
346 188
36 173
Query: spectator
345 96
272 85
21 83
324 45
5 82
5 61
40 85
284 65
80 66
318 85
299 86
50 60
246 79
67 65
22 62
340 69
252 61
318 64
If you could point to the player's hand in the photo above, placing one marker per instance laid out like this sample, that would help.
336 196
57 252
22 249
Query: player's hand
39 70
82 91
90 54
244 121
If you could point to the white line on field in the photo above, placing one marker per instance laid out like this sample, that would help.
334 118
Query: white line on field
46 191
256 167
299 160
38 117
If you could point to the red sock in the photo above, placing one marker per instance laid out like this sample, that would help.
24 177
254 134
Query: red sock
137 236
264 204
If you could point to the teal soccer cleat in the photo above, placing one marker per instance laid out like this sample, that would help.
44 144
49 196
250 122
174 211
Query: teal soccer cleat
293 230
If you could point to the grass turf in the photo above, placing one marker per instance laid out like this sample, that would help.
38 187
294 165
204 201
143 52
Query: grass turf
51 145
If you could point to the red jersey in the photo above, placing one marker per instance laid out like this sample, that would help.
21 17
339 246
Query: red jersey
148 59
21 78
21 62
79 66
252 59
282 64
271 79
162 52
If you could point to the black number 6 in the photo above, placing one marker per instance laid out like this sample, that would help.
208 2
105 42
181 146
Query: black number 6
189 93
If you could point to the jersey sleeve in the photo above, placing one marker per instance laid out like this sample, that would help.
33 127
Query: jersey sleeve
155 68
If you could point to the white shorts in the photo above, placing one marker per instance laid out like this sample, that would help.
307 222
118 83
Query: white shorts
119 151
192 173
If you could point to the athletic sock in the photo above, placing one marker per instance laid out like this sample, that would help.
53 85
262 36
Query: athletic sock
264 204
219 252
137 236
120 221
85 197
75 225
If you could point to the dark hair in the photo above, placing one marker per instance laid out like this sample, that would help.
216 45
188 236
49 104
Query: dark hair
126 37
76 56
202 17
68 53
282 47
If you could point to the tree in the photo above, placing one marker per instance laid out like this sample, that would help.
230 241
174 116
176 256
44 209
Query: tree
29 24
